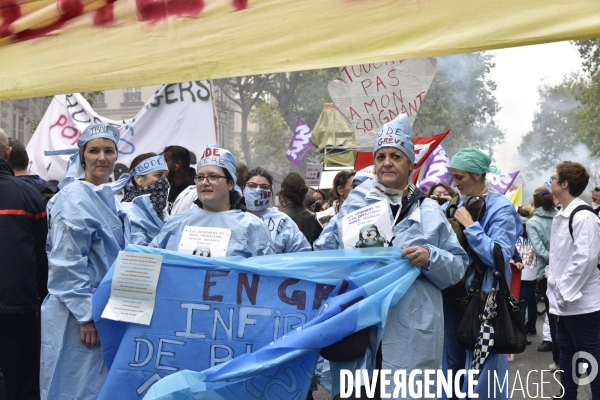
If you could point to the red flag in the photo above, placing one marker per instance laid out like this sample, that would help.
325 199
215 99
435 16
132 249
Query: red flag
423 147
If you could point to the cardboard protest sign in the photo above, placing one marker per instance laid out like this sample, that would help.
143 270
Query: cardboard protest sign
367 227
374 94
313 174
250 328
300 146
133 289
205 242
171 117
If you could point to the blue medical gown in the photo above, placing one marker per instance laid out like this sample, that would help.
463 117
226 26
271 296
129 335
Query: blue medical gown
413 337
87 230
285 234
249 236
145 224
500 224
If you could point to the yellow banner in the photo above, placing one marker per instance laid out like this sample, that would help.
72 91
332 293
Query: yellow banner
50 47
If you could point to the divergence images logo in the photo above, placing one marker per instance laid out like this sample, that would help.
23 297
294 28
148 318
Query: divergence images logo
581 362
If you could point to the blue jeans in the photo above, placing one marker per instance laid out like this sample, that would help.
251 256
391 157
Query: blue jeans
456 355
576 333
527 293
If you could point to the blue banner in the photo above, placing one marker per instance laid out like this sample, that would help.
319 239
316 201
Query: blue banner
235 328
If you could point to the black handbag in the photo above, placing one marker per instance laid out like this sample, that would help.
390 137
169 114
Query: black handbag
509 329
454 294
348 348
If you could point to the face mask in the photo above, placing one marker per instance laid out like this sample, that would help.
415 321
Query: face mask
158 192
257 199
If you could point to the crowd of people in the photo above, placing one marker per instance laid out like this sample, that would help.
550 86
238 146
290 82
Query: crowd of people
60 239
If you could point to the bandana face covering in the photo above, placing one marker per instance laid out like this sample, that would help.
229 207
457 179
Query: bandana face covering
257 199
158 192
393 196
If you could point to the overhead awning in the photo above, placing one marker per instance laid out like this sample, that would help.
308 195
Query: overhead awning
50 47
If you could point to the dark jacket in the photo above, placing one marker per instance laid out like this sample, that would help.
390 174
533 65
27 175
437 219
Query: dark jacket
306 221
23 231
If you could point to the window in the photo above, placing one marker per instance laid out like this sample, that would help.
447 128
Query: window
221 134
19 126
132 95
100 98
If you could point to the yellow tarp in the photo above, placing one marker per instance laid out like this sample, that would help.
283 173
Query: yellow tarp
90 46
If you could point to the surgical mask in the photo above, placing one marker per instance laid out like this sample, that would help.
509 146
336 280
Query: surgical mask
257 199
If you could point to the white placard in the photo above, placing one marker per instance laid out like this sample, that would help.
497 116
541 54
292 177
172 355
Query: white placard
133 288
205 242
313 174
323 217
171 117
367 227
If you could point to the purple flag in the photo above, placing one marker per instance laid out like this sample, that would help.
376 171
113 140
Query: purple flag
436 169
300 146
501 183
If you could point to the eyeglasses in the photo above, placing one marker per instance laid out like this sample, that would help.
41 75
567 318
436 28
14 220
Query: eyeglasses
438 194
552 178
253 185
209 178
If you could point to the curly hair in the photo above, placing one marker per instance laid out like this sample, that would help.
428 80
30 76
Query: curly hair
294 188
543 198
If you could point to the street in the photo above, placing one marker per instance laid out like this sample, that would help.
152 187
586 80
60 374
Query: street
530 360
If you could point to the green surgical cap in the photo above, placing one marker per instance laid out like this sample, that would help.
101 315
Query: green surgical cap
474 161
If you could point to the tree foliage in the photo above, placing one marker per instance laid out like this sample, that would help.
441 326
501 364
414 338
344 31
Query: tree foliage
288 96
461 97
588 113
554 126
244 91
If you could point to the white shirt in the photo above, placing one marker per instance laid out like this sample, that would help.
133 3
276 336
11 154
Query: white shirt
185 200
525 249
573 275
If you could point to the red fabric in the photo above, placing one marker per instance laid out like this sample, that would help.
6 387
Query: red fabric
515 281
23 212
424 146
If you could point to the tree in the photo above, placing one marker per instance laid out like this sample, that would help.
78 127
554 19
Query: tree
554 126
244 91
290 95
461 98
588 113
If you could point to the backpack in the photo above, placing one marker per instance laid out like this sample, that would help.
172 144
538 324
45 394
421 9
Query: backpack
47 190
575 211
455 293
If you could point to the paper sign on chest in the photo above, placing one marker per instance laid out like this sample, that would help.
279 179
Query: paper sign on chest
367 227
205 242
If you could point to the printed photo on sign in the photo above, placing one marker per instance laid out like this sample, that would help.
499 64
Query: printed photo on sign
205 242
367 227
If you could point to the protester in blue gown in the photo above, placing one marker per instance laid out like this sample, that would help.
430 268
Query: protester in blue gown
145 199
414 332
218 205
499 224
87 230
285 234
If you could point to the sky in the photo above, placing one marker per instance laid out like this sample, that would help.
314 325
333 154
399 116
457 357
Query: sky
518 73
